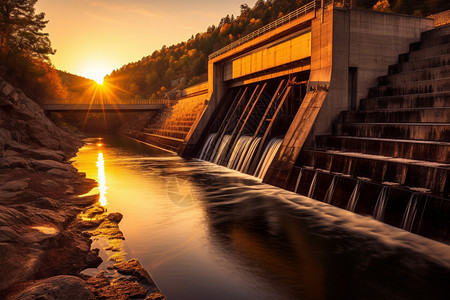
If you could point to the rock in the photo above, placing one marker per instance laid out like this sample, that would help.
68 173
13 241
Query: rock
134 268
46 202
38 234
57 287
121 288
98 281
17 185
46 164
8 234
15 162
49 183
155 296
115 217
46 154
109 230
61 173
7 89
70 190
17 264
93 212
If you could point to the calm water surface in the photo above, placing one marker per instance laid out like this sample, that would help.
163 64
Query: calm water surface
206 232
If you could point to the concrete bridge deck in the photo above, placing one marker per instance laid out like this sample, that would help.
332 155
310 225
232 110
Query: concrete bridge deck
100 107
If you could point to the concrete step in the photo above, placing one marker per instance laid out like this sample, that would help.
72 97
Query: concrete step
435 33
167 133
416 75
413 173
422 87
410 115
168 143
410 149
429 62
441 39
432 211
439 132
170 127
182 123
440 99
424 53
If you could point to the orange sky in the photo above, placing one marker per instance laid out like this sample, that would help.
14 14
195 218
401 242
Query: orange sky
93 37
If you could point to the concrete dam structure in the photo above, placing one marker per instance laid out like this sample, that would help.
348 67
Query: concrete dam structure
346 106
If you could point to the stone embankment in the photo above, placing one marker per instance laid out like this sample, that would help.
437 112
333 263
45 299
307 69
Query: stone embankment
44 242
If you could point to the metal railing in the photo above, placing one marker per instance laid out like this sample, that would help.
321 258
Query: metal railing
137 101
441 19
307 8
269 27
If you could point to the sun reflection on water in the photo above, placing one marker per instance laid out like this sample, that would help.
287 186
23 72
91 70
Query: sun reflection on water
101 179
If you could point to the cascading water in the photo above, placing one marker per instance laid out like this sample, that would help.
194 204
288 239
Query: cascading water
313 185
351 205
410 212
382 200
238 152
217 157
205 154
246 158
267 157
330 191
299 177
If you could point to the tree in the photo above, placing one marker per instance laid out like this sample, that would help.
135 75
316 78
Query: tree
383 6
21 31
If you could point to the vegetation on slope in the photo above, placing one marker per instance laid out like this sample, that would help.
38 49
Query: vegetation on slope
184 64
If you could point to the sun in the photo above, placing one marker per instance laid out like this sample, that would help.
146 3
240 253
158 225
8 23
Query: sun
96 71
99 78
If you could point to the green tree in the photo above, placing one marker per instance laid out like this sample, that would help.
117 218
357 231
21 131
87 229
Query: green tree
21 31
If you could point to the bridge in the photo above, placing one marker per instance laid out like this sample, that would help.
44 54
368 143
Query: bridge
100 107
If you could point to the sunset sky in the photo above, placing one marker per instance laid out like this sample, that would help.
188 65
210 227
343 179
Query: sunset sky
93 37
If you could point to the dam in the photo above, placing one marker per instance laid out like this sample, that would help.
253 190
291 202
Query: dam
348 107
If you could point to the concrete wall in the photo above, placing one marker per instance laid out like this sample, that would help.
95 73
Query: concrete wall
369 41
363 39
275 54
319 80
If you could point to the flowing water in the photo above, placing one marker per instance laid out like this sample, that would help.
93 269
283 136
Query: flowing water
206 232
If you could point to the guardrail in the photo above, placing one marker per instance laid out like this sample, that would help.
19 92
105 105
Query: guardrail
441 19
167 102
269 27
307 8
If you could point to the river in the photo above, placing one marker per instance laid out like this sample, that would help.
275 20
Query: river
206 232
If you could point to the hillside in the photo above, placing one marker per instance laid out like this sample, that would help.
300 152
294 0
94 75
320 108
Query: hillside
184 64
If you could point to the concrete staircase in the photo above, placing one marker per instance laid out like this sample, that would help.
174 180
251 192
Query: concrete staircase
170 128
399 138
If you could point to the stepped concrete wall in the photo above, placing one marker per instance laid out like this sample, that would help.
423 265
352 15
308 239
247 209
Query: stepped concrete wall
364 40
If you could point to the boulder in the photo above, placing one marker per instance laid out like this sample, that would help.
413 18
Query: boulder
115 217
134 268
57 287
61 173
46 154
7 234
155 296
46 164
17 264
16 185
39 234
121 288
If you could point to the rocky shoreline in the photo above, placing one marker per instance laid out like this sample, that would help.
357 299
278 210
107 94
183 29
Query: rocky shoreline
46 224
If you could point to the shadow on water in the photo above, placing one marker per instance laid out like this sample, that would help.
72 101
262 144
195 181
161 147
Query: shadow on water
206 232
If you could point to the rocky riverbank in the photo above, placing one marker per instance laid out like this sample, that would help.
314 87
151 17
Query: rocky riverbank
46 224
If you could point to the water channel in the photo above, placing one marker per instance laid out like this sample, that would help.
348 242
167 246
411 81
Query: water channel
206 232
